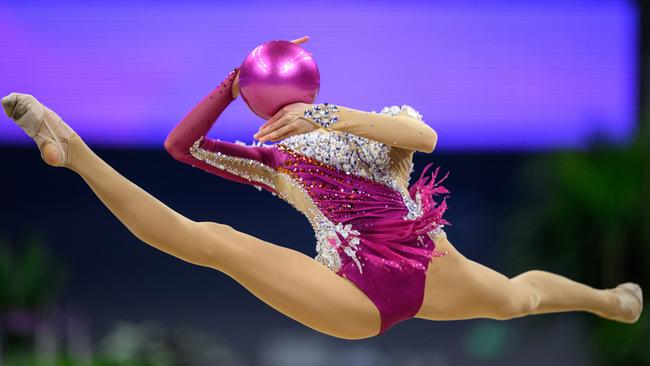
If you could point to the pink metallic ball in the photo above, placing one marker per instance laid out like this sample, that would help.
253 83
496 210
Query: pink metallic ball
275 74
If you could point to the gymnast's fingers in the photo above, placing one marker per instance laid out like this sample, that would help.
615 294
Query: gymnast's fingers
264 131
279 134
301 40
279 114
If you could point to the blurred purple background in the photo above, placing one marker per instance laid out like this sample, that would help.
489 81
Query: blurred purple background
508 85
486 75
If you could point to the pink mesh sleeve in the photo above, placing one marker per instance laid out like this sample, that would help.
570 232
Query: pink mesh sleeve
188 143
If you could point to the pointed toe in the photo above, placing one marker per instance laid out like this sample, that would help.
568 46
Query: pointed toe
630 303
9 104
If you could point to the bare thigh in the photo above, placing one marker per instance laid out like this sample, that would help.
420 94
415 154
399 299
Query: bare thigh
295 284
459 288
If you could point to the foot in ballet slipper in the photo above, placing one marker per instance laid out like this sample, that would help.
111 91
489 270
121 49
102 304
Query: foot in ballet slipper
629 303
42 124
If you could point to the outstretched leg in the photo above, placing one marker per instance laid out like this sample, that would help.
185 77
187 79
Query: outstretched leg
287 280
459 288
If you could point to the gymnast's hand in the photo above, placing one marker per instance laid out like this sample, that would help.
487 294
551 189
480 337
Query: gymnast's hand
285 123
235 83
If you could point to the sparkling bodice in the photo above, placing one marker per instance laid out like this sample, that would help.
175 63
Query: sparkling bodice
360 156
353 191
350 153
337 179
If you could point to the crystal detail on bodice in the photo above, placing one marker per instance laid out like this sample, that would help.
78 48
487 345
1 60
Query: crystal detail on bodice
357 155
350 153
327 240
324 114
395 110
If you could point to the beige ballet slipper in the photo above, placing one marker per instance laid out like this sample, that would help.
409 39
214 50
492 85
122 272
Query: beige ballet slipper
41 124
629 303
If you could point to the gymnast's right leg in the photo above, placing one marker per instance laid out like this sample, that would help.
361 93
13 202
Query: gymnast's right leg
287 280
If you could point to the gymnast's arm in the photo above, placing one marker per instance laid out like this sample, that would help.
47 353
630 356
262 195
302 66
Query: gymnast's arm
188 143
404 130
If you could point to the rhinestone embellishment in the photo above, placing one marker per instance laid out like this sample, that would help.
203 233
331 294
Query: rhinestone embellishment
346 231
350 153
395 110
235 165
324 114
354 155
325 231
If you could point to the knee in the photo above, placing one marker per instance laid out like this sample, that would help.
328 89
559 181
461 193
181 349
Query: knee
529 277
215 228
213 242
520 302
513 308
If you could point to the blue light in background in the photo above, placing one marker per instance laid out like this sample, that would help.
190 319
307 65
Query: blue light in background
485 75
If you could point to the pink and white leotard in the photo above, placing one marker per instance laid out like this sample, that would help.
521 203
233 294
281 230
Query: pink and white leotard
369 227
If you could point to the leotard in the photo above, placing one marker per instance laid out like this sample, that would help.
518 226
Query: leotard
352 184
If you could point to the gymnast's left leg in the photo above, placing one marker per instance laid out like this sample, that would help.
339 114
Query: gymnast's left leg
459 288
287 280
